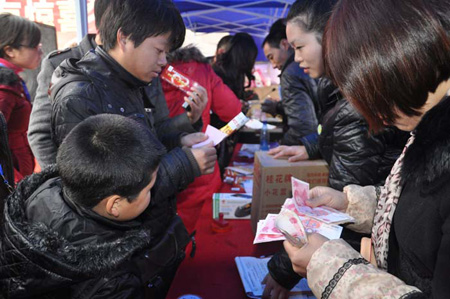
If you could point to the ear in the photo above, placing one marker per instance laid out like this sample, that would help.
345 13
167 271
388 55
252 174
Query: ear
113 205
121 39
220 51
9 51
284 44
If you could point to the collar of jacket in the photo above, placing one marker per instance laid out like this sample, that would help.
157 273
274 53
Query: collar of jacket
327 95
286 64
43 246
118 70
87 43
427 160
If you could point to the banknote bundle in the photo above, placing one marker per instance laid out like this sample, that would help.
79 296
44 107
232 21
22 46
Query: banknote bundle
296 220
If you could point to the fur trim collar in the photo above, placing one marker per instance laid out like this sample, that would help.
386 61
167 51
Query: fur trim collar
72 261
187 54
428 158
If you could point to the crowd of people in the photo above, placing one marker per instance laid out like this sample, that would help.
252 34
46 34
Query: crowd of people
364 85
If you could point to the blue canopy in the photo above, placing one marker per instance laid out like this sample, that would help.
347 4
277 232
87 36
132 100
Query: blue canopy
254 17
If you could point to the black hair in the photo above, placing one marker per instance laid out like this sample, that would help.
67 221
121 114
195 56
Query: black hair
387 56
276 34
16 32
140 19
237 63
105 155
100 7
223 43
311 15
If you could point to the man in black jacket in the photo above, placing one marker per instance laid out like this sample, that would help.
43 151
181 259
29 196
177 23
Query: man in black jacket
112 79
95 225
39 130
298 90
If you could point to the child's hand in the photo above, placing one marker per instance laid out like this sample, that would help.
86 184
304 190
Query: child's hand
300 257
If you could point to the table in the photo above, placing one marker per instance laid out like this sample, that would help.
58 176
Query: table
212 273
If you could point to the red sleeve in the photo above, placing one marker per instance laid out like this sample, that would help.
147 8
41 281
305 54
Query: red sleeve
224 102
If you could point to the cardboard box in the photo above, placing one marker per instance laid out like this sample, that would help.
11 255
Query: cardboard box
272 182
232 205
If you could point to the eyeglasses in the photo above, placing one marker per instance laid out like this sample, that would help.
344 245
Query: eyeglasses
38 47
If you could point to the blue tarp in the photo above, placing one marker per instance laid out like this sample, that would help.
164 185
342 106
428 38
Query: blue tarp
253 17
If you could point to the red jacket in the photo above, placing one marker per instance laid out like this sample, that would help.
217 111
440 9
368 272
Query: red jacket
16 108
222 101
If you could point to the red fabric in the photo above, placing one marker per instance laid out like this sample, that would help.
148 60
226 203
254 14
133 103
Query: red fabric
212 273
223 102
17 109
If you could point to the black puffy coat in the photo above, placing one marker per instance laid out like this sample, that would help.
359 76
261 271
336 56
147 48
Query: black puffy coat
298 102
354 155
52 248
98 84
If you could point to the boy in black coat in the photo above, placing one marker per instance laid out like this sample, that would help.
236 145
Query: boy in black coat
85 228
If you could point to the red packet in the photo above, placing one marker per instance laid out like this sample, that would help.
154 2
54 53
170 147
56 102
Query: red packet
179 80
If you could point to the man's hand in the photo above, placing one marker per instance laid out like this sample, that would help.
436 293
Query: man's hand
273 290
206 158
294 152
269 106
300 257
198 103
191 139
326 196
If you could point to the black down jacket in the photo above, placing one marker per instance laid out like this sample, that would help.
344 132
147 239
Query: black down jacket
298 102
98 84
52 248
354 155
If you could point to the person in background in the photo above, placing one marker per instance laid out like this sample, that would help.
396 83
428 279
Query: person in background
221 101
39 130
20 49
298 90
354 155
235 67
84 228
392 62
222 46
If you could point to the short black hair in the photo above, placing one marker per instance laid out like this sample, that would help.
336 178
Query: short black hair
107 154
16 32
387 56
100 7
311 15
276 34
140 19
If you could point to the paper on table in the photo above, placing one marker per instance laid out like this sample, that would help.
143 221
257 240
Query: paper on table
214 135
253 270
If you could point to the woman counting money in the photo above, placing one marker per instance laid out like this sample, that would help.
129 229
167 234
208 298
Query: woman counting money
391 60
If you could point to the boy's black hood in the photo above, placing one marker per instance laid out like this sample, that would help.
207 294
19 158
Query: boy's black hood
36 259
